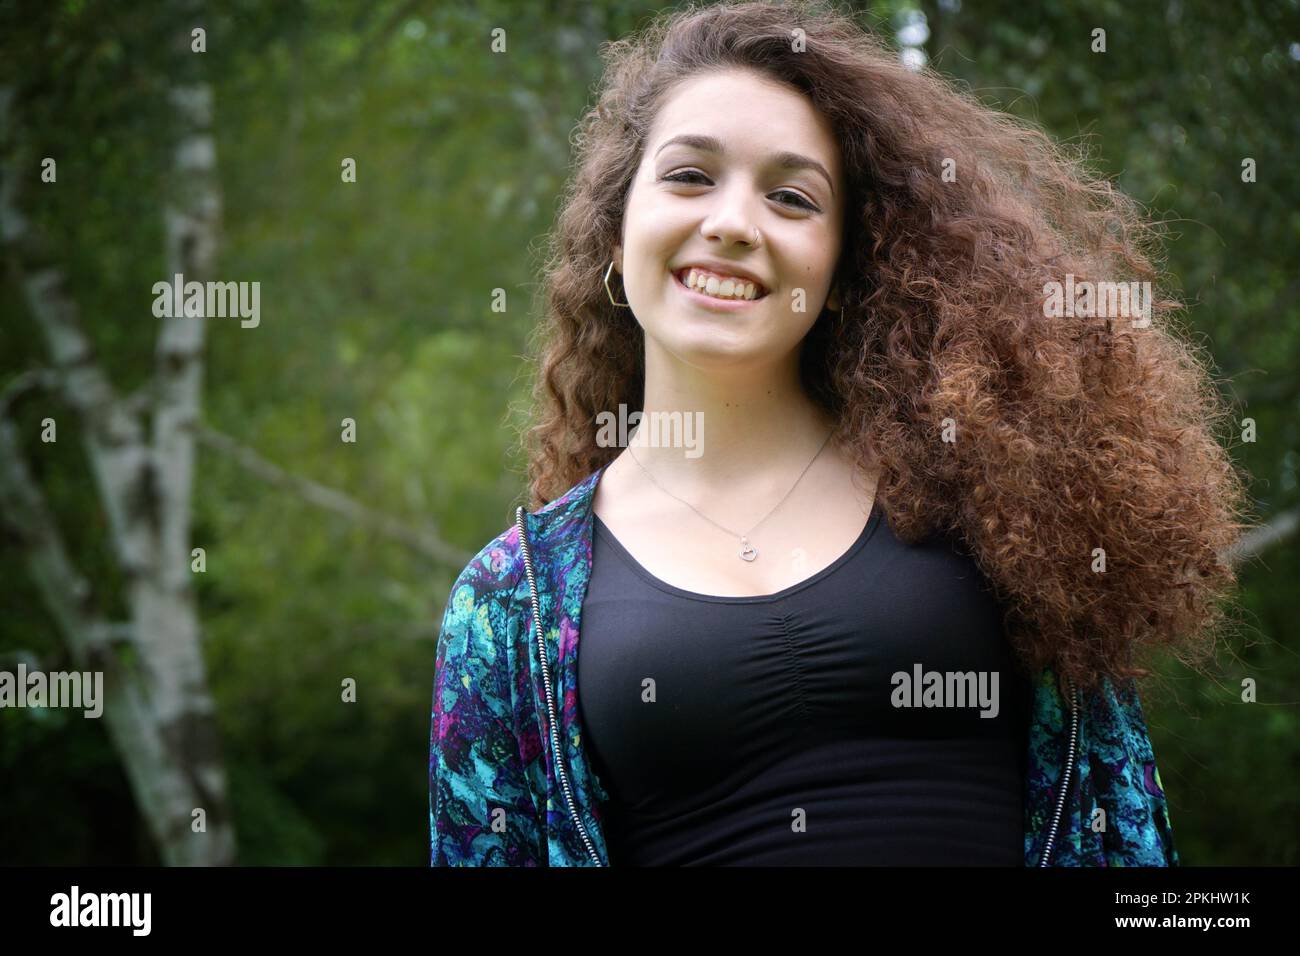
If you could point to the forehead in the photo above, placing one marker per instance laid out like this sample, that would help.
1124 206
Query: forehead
751 114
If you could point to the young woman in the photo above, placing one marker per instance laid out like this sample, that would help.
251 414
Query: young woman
886 603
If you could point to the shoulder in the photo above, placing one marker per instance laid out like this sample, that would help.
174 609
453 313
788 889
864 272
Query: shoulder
498 564
479 600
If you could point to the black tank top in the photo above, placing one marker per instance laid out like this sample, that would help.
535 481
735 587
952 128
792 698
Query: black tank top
770 730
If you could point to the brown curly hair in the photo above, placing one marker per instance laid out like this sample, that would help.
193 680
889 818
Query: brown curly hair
1071 433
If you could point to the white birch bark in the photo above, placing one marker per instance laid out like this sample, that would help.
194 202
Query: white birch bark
159 714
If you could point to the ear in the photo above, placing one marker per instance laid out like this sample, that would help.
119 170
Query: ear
618 259
833 300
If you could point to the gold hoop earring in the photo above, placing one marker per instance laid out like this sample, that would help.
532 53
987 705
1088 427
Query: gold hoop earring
607 289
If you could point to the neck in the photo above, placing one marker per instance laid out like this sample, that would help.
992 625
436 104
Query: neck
747 422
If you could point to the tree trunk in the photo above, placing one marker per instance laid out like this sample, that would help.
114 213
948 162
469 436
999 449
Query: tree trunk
159 713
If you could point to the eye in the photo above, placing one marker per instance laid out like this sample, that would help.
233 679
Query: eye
684 177
801 202
681 177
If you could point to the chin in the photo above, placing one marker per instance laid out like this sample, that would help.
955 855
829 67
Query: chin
713 352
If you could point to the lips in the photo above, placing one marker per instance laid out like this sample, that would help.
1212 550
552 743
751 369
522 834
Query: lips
739 278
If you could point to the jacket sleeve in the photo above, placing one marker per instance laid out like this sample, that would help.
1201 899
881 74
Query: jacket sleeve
1155 835
482 811
1121 779
1114 812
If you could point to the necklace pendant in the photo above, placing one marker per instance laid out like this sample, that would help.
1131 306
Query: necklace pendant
747 552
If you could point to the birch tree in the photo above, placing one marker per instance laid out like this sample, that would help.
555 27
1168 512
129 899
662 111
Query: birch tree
158 709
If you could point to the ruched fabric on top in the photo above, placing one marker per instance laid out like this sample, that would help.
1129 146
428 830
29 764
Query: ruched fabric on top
773 739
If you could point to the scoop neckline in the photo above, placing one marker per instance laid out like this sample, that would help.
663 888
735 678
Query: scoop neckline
865 535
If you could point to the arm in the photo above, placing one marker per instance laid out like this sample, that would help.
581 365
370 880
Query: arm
1121 779
1115 812
1151 840
481 809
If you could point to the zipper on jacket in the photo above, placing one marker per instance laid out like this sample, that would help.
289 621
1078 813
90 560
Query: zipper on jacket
1065 777
550 696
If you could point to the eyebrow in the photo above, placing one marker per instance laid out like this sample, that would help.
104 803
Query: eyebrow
782 160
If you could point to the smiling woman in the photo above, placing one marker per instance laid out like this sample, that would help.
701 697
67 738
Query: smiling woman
837 263
751 201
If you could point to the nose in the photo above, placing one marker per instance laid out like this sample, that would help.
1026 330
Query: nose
730 222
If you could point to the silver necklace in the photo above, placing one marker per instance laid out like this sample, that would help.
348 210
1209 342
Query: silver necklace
747 551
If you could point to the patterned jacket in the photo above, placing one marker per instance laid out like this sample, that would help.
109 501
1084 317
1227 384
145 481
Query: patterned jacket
510 783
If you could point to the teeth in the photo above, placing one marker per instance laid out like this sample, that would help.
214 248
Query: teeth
725 288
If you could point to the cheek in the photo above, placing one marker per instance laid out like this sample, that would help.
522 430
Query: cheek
816 268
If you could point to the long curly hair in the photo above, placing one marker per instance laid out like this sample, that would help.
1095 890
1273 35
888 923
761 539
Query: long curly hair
1035 438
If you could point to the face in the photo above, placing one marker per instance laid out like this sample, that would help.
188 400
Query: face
740 207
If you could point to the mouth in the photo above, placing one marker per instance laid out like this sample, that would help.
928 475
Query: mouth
728 302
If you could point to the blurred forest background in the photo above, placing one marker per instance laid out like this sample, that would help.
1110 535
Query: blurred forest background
324 559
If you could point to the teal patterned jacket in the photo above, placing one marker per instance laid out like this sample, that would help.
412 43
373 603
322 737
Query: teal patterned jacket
510 783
